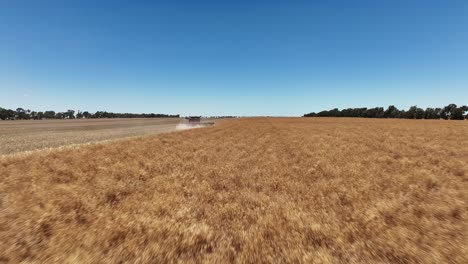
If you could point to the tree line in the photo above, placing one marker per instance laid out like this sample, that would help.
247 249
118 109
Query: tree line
451 111
26 114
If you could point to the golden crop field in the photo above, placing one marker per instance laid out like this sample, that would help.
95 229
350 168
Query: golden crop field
27 135
295 190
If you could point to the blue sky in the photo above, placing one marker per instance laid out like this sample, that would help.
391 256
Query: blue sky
232 58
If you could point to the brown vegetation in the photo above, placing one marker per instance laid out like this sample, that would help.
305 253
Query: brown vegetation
246 191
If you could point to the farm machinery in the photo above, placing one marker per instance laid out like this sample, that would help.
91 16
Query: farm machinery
195 121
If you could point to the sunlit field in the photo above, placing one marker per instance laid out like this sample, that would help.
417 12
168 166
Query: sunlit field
312 190
27 135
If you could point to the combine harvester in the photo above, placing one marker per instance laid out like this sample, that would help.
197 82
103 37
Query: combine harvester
196 121
193 122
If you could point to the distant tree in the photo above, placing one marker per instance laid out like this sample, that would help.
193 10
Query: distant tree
334 112
349 112
60 115
449 110
49 114
411 113
312 114
440 113
402 114
3 113
98 114
40 115
379 112
22 114
10 114
323 114
457 114
391 112
361 112
464 108
70 114
376 112
414 112
429 113
419 114
33 115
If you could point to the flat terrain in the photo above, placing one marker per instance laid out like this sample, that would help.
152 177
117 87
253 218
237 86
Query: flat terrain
17 136
313 190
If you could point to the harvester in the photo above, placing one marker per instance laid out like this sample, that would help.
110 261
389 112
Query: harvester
196 121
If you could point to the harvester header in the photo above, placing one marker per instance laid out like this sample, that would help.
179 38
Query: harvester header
196 121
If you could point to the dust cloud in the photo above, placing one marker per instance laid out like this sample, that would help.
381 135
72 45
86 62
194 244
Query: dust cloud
187 126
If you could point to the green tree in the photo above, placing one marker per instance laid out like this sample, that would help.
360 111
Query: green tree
419 114
34 115
70 114
449 110
411 113
391 112
429 113
60 115
457 114
49 114
3 113
21 114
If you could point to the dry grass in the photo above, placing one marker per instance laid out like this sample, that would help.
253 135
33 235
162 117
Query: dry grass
19 136
246 191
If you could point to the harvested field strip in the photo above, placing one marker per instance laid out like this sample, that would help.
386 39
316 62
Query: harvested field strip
19 136
246 191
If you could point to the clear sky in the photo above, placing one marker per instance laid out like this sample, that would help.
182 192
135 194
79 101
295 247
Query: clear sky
232 57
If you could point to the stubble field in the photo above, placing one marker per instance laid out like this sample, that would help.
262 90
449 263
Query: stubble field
27 135
317 190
